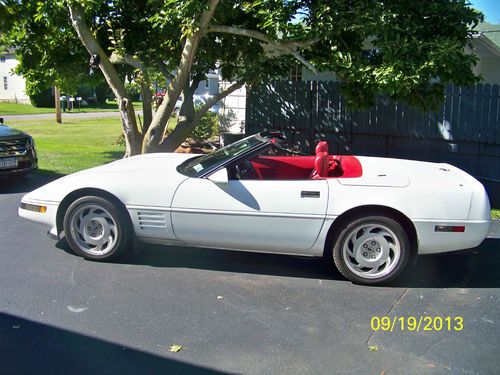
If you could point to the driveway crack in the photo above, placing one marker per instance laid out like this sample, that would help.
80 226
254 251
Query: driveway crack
388 312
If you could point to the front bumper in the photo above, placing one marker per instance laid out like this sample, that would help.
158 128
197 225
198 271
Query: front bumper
25 164
48 218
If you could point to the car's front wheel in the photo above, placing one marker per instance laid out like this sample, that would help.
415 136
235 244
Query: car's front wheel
96 228
371 250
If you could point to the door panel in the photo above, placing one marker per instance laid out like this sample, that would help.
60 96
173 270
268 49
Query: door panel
281 216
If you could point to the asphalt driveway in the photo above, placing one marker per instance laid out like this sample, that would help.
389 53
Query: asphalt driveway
233 312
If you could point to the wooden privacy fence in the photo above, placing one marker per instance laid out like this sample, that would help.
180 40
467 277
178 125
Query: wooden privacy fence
465 132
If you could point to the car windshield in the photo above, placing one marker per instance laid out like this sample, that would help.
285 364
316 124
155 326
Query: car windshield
197 165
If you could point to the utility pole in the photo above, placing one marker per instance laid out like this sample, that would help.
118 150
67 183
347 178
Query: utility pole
57 98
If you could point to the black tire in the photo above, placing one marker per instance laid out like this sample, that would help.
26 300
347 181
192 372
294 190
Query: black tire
97 219
370 240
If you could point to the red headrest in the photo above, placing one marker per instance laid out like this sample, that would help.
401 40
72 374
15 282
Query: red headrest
320 165
322 147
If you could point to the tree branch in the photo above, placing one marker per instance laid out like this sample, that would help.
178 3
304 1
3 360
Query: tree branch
117 58
155 132
196 81
282 46
207 15
254 34
163 70
127 113
221 95
147 96
301 59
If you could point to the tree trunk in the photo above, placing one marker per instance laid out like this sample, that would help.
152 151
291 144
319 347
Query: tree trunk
129 124
186 120
154 135
57 98
192 118
132 137
147 112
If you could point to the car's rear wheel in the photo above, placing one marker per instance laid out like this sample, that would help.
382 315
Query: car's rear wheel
371 250
96 228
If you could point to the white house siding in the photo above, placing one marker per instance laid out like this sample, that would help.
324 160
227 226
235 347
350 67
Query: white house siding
210 86
16 86
233 109
489 68
488 65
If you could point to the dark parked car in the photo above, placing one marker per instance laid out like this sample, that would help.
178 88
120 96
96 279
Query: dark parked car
17 152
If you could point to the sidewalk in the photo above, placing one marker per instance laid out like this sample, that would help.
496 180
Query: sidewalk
65 116
494 229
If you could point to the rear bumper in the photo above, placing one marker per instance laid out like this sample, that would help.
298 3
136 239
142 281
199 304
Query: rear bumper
431 242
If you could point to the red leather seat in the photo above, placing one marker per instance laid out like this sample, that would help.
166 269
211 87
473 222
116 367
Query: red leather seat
322 147
320 166
321 163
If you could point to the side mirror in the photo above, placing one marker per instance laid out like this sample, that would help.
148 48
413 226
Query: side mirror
220 177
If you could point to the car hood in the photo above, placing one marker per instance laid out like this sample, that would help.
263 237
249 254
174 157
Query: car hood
159 162
149 179
8 132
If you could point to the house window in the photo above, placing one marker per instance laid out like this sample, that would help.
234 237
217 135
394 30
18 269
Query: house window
2 59
296 73
5 83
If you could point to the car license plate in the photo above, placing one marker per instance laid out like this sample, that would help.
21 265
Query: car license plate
8 163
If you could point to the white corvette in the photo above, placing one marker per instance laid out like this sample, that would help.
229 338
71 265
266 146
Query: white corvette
369 215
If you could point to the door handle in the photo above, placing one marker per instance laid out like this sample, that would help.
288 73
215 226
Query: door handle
309 194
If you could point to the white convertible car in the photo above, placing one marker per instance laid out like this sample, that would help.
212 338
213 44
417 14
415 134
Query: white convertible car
368 215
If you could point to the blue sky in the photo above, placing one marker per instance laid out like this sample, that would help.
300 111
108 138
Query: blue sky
490 9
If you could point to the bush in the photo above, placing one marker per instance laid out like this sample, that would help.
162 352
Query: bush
134 90
84 91
207 128
43 99
103 92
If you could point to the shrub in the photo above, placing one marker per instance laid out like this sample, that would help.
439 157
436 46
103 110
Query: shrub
43 99
103 92
134 90
207 128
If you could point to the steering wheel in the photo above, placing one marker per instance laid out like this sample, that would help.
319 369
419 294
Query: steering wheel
245 171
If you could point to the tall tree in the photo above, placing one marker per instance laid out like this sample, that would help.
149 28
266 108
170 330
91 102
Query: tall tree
401 48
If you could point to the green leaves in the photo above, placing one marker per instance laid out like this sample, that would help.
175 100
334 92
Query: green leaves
206 129
399 48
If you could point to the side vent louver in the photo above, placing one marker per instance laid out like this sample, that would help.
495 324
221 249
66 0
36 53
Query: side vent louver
152 220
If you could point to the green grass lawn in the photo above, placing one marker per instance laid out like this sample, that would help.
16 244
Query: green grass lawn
75 145
28 109
21 109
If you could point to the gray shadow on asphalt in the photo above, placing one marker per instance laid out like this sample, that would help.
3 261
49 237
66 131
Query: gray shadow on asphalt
473 268
12 185
224 260
29 347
